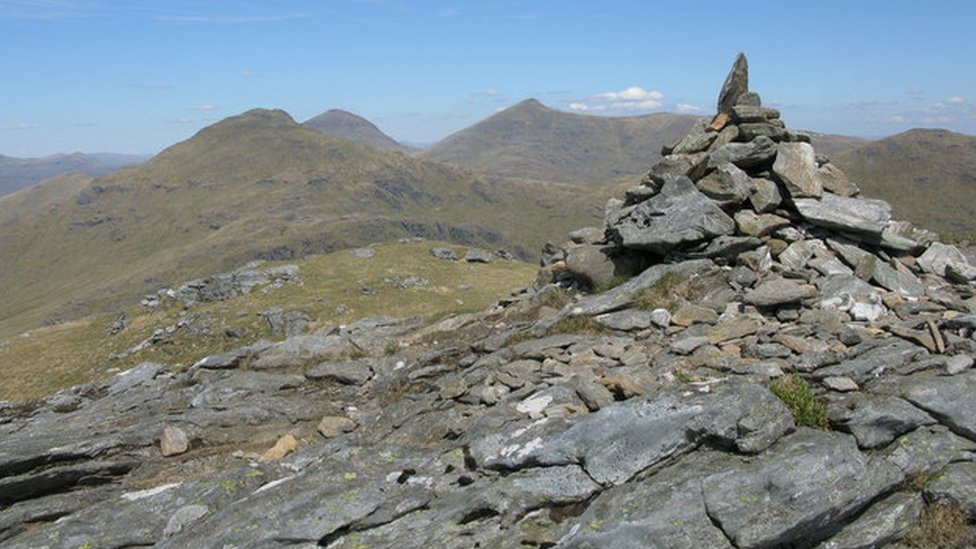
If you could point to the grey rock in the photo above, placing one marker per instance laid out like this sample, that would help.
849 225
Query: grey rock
858 215
736 84
758 261
232 359
948 399
626 320
333 426
884 522
478 255
938 256
776 132
796 491
929 450
726 184
779 291
536 348
833 179
592 265
875 420
538 487
750 99
840 384
697 140
796 255
622 518
749 113
356 372
444 253
586 235
884 357
676 165
687 345
851 294
362 253
619 441
298 350
759 225
956 485
901 282
765 195
594 395
183 517
173 441
727 247
755 154
848 251
679 214
958 364
797 168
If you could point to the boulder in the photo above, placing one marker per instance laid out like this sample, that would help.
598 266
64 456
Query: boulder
796 167
855 215
736 84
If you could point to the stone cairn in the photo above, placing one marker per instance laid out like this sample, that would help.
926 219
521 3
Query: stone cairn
744 191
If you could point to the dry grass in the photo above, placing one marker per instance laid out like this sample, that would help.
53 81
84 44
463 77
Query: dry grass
54 357
943 526
662 295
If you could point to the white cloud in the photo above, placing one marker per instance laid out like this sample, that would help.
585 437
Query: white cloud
955 100
248 73
579 107
17 126
204 107
492 92
898 119
633 93
687 108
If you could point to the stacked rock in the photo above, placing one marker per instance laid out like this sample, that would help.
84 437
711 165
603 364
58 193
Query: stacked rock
743 190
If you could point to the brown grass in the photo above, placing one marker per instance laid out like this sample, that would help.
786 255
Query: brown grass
942 526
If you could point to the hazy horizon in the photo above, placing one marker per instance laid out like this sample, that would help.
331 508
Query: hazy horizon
123 77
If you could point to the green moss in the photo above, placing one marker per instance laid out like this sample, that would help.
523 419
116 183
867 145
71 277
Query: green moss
229 486
796 393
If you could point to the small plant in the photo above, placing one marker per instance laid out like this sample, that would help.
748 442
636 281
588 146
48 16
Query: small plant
391 349
942 525
807 409
515 339
917 482
662 295
617 280
682 376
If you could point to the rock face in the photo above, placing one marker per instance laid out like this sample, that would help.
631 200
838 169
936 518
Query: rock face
646 415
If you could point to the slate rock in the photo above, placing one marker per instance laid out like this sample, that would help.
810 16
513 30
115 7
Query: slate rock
183 517
840 384
727 184
958 364
929 450
955 485
592 265
675 165
884 522
833 179
765 195
875 420
736 84
626 320
797 491
697 140
444 253
797 168
666 511
857 215
586 235
902 282
881 358
356 372
939 256
688 314
333 426
948 399
850 294
779 291
755 154
759 225
478 255
679 214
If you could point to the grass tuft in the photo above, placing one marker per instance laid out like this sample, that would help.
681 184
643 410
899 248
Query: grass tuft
943 526
662 295
577 325
807 409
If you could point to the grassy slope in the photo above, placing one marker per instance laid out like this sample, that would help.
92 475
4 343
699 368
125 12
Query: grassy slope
928 176
77 351
534 141
254 185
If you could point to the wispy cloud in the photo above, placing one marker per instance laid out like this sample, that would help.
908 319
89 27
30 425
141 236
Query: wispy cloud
248 73
487 92
46 9
160 86
955 100
203 107
17 126
687 108
182 120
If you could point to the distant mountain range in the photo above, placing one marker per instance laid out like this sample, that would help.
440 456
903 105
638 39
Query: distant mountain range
256 185
535 141
351 127
18 173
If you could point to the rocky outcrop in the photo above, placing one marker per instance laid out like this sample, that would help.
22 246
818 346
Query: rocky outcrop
787 367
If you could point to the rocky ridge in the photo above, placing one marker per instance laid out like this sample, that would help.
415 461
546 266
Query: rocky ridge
673 402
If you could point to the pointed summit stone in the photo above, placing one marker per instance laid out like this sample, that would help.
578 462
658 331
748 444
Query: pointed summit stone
736 84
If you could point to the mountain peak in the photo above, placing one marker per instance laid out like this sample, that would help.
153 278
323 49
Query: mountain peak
352 127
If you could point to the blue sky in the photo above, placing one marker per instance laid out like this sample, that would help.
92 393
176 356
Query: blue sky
136 76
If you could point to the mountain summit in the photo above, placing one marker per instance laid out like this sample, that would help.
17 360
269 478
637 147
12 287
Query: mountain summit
534 141
352 127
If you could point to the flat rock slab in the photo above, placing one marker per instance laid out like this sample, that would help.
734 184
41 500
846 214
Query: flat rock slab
796 166
929 449
779 291
956 485
884 358
803 486
619 441
950 399
884 522
677 215
356 372
666 511
858 215
875 420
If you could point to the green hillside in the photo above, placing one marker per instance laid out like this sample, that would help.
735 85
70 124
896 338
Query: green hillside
254 186
351 127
